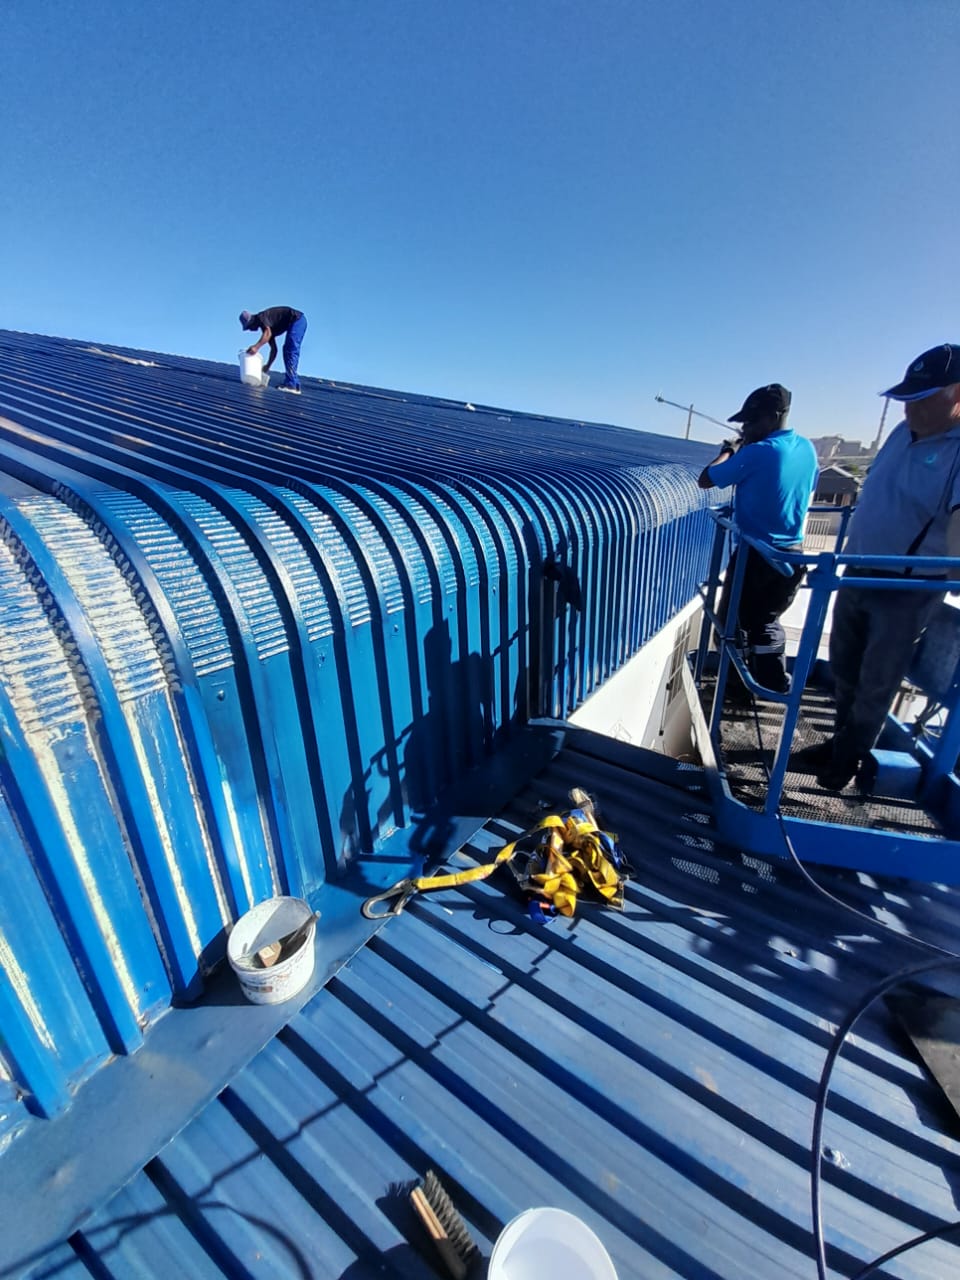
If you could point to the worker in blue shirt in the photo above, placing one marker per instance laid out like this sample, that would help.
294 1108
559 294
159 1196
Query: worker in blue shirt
909 505
773 472
273 322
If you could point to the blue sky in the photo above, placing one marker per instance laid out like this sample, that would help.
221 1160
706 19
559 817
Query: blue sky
552 206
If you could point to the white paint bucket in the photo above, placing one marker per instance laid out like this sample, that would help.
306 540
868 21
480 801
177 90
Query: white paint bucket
263 924
251 368
549 1242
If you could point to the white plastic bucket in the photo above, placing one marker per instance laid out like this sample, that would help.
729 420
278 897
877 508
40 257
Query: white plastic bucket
549 1242
251 368
262 924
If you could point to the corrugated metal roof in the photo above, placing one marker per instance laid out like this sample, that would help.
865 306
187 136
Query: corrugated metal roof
653 1071
245 637
396 431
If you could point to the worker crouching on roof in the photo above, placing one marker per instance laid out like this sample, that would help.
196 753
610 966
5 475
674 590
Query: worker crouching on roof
273 322
773 472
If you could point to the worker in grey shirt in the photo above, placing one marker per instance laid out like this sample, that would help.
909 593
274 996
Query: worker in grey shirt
910 505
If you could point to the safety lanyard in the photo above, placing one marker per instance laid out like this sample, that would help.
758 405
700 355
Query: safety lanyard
574 855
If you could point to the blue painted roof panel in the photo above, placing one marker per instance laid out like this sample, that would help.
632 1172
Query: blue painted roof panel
296 622
374 563
653 1071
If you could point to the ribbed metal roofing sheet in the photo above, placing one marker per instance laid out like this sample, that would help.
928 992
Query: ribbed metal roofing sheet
244 637
652 1071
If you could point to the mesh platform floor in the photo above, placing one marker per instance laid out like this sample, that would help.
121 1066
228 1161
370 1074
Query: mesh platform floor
744 725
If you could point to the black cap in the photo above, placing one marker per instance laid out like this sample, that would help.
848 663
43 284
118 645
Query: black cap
937 368
773 398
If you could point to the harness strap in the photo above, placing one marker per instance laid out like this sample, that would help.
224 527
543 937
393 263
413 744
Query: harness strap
574 855
454 878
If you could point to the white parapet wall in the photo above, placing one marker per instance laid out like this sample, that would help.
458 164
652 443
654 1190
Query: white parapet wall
644 702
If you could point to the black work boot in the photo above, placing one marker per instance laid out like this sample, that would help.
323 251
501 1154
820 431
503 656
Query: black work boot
814 758
843 765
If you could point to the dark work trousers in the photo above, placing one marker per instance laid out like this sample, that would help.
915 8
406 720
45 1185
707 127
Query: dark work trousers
766 594
291 351
872 638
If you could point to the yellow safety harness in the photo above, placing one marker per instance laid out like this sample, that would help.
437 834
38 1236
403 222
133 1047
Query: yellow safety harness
571 855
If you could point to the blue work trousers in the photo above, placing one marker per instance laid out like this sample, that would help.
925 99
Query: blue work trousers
872 638
291 351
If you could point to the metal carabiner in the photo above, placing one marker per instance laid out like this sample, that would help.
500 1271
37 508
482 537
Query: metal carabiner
403 891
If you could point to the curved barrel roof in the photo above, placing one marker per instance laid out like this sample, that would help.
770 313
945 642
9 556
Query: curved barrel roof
245 636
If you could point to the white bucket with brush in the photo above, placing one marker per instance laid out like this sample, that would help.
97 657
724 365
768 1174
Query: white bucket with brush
268 976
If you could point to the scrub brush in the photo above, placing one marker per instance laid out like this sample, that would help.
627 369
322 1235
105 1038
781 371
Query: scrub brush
447 1229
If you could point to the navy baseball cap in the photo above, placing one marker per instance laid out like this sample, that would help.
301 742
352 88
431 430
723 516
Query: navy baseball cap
935 369
772 398
244 319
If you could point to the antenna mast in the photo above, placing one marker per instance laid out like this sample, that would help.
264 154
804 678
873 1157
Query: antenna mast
883 418
691 414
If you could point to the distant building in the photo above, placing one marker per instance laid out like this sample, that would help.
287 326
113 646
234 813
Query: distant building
850 457
837 486
836 449
826 447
